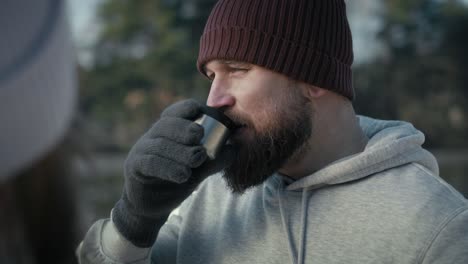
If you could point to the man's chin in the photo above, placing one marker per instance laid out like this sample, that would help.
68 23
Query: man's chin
249 169
238 187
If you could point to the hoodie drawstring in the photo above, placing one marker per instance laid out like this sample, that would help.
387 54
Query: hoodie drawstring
305 207
299 257
286 228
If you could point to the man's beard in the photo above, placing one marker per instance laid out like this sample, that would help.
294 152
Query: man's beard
267 151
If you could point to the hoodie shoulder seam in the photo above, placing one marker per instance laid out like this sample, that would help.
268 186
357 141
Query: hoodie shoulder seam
440 181
439 230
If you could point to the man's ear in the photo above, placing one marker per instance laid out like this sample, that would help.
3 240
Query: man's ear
313 92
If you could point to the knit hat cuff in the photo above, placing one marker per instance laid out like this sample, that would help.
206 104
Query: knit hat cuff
299 62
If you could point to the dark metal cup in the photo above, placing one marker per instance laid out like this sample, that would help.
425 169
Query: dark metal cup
217 128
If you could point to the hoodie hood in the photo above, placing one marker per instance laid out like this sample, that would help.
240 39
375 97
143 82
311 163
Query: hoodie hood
391 144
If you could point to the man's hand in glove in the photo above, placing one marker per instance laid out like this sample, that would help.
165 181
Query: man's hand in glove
161 170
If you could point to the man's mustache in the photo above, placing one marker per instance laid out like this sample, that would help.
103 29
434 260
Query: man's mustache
238 120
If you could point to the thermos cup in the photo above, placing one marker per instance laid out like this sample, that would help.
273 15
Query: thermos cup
217 128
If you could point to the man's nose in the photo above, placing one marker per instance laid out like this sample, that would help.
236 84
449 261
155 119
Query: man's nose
219 96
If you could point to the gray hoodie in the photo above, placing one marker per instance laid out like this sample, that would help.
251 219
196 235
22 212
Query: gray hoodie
384 205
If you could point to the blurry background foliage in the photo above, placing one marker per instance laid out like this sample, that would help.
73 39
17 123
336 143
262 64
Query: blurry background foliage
145 54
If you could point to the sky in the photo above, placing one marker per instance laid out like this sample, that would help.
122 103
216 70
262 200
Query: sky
84 26
81 14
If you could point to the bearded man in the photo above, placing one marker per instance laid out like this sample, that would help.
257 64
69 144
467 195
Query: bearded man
303 179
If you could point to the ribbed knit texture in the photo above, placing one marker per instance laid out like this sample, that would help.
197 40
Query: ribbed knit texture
306 40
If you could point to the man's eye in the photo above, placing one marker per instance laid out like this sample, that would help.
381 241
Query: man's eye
211 76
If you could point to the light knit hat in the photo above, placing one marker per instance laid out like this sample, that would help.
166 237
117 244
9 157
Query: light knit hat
306 40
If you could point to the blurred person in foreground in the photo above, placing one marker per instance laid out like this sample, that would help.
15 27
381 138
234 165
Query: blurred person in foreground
304 179
38 220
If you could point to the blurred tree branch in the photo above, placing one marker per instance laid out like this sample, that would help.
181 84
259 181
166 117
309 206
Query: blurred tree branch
422 75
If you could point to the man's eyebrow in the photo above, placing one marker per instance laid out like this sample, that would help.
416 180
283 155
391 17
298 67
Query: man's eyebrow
234 63
230 63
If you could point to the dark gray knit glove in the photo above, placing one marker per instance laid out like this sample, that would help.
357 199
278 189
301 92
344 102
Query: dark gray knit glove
162 169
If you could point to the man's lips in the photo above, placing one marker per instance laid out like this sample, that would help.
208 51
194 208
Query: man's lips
239 126
239 130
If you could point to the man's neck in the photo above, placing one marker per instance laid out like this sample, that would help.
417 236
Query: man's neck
335 135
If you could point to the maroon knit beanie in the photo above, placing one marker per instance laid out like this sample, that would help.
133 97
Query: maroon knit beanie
306 40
